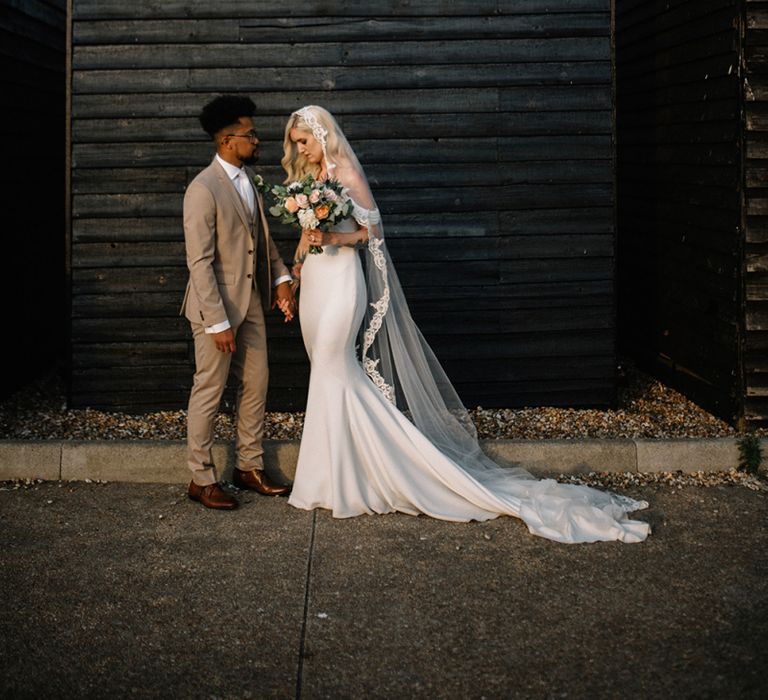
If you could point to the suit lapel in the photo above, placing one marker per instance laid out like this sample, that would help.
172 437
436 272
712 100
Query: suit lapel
264 235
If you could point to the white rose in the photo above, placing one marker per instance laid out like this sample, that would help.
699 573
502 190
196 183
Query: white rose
307 218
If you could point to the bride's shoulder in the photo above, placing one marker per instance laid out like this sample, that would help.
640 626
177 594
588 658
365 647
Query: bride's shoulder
356 184
350 177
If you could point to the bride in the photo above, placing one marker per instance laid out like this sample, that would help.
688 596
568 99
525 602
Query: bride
384 429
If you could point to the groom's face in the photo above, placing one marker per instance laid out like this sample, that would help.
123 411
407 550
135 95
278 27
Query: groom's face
241 141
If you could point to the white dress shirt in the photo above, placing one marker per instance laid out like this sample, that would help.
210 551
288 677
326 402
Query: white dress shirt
243 185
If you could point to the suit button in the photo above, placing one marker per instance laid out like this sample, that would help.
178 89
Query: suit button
249 275
250 252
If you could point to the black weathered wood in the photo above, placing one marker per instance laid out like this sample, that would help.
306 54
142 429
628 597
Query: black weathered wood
31 22
681 175
431 101
108 9
139 180
147 32
756 209
485 126
401 151
686 19
358 53
360 127
459 199
343 77
32 100
282 103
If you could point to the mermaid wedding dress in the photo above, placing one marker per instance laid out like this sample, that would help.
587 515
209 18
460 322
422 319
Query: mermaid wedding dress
359 451
359 454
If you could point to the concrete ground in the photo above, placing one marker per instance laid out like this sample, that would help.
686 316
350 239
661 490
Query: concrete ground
130 590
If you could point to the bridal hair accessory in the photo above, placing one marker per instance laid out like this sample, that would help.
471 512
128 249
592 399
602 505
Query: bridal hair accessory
318 131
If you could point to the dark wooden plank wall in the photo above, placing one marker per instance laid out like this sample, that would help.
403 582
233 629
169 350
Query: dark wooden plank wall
678 194
756 213
32 89
485 128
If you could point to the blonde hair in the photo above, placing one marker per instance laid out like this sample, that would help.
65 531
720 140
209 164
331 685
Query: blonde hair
296 165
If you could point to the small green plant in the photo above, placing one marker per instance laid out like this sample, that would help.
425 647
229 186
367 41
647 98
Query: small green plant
750 453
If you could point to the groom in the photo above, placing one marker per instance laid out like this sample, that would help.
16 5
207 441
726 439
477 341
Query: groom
235 275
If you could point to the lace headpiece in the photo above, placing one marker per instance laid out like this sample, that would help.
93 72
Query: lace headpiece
318 131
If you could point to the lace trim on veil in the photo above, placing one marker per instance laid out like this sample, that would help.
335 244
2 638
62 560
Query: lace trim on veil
366 217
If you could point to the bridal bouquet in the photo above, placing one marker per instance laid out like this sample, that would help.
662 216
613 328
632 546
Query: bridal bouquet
308 203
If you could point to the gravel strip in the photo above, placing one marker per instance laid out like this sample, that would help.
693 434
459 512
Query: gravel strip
619 481
646 409
605 480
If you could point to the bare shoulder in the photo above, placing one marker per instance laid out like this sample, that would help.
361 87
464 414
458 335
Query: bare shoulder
350 177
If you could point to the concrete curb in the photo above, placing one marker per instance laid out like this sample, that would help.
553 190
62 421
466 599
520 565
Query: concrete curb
164 461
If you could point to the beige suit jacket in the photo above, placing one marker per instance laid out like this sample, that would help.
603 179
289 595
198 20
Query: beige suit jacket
227 250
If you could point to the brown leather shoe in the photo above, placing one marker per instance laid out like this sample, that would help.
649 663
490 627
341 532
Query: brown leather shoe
258 480
212 496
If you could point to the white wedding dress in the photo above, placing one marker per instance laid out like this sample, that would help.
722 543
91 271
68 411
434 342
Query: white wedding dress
359 454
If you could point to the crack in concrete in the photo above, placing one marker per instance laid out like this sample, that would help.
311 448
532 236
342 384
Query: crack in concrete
303 635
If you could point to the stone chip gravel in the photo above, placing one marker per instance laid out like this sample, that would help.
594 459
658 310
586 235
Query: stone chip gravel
646 408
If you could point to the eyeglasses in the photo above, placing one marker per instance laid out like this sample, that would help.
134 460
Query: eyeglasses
251 136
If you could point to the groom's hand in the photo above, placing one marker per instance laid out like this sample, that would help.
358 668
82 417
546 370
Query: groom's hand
225 341
285 300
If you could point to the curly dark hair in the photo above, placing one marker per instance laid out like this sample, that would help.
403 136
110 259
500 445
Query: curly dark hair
224 111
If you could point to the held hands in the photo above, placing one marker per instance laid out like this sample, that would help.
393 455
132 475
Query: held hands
285 300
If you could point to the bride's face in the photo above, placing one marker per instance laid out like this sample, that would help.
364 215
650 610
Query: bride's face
307 145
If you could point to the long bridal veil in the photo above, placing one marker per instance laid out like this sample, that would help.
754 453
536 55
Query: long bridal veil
401 364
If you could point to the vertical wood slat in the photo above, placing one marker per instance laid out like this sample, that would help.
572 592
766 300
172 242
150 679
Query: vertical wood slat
755 269
498 139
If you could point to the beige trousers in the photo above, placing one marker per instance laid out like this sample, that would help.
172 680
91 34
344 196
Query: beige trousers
249 363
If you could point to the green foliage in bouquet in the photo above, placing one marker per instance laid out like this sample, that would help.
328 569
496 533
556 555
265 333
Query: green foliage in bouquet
308 203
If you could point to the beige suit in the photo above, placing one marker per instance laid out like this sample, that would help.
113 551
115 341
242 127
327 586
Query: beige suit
232 263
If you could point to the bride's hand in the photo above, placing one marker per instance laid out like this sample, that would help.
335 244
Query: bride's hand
317 237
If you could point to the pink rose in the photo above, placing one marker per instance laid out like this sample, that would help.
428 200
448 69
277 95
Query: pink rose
291 205
314 196
302 201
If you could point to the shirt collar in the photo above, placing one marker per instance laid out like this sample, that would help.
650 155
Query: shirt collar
232 170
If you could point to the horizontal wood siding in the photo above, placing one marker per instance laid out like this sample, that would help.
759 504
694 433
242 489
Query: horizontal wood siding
756 215
484 126
679 194
32 99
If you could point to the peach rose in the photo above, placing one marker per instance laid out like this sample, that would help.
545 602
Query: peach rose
322 212
291 205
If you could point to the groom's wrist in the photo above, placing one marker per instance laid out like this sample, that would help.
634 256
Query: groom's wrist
281 279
